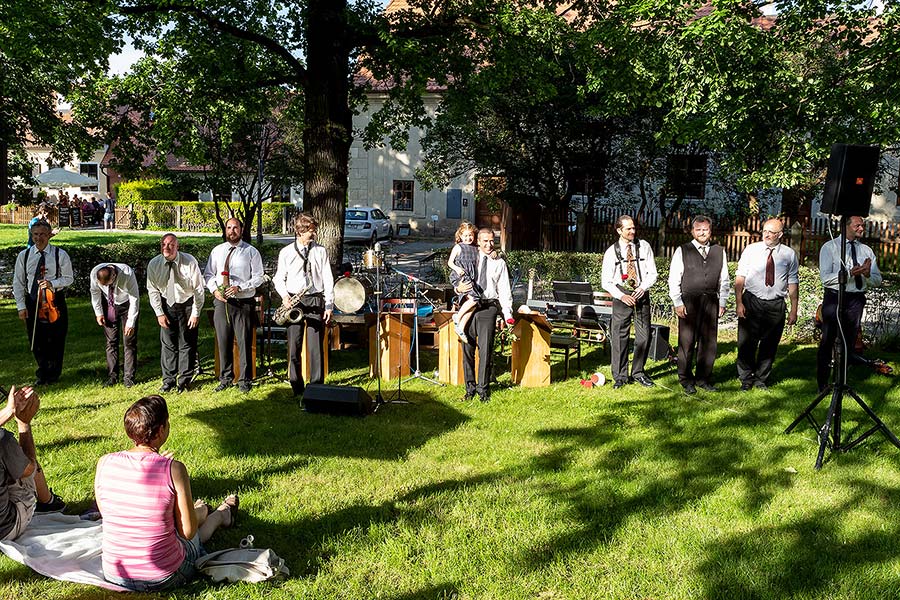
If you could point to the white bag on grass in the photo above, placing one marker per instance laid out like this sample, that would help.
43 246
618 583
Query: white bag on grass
242 564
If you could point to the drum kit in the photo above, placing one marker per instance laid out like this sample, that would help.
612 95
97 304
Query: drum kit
371 283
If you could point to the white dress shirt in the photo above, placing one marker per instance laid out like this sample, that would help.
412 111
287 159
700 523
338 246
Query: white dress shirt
497 287
830 265
752 267
59 275
187 283
245 269
676 272
291 275
611 275
125 289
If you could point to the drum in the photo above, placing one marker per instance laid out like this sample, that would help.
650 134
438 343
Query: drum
371 260
350 294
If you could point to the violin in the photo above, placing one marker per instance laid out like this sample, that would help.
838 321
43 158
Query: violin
47 310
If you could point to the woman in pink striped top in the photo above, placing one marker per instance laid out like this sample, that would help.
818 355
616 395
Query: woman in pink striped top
152 528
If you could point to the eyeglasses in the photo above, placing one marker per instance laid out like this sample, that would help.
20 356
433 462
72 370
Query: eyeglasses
770 231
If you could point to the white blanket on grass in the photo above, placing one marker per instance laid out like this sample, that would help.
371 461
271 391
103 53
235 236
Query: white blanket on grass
62 547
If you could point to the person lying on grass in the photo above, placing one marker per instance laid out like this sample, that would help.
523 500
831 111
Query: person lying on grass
152 529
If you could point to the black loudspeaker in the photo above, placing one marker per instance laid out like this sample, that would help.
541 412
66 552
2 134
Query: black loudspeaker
659 342
337 400
850 180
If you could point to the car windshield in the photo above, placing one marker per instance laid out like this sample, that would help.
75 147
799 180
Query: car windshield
355 215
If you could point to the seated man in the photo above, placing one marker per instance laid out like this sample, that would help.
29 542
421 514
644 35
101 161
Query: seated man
23 489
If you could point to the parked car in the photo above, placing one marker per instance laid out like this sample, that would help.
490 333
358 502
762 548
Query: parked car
363 223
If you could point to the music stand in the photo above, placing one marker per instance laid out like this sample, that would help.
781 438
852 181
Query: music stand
417 374
840 387
379 399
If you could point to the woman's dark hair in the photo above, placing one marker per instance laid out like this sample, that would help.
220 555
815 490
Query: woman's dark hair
145 418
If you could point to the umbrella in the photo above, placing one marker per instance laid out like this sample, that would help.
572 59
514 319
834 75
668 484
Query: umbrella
60 178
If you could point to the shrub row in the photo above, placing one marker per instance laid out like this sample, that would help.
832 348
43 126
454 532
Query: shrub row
198 216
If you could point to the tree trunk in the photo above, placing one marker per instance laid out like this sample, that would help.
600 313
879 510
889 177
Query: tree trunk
4 173
328 132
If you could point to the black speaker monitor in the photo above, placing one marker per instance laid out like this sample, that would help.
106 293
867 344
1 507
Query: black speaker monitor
336 399
659 342
850 180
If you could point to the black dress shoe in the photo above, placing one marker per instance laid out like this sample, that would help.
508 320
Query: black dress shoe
223 385
689 389
760 385
484 397
39 381
128 382
620 384
167 387
706 386
644 380
468 397
111 382
746 386
244 387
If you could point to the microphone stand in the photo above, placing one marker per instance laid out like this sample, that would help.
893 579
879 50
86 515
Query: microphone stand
379 399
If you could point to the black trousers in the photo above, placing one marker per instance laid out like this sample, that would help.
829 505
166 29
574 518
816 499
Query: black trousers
697 335
179 344
115 331
234 321
620 332
758 335
854 303
314 325
481 327
49 339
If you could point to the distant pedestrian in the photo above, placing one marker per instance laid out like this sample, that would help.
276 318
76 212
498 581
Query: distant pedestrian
109 212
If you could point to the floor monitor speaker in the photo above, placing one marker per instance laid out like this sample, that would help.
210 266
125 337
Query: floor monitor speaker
337 399
850 180
659 342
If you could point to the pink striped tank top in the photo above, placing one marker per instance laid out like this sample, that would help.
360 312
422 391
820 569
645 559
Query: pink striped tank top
137 497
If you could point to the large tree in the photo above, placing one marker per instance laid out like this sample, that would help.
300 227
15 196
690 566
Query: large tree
46 48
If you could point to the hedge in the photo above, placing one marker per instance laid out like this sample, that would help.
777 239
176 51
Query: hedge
198 216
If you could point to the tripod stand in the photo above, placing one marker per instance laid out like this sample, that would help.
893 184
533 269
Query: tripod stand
264 358
836 390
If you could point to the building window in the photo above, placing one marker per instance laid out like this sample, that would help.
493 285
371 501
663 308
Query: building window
90 170
686 176
403 194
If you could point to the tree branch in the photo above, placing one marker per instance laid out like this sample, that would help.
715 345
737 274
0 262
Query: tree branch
217 24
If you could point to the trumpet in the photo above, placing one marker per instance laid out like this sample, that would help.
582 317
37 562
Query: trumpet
290 311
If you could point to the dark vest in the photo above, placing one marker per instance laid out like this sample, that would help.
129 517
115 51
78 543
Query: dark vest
701 277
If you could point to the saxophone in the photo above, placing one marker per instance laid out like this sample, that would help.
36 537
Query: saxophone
290 311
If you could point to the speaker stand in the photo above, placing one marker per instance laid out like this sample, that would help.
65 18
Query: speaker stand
832 424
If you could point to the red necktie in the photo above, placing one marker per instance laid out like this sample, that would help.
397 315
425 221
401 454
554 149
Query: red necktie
770 269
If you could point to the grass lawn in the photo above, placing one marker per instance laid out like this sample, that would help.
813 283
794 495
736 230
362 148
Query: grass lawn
560 492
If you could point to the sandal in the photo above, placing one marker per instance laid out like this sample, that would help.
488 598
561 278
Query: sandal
231 502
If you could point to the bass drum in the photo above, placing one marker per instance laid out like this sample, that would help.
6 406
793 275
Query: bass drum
350 294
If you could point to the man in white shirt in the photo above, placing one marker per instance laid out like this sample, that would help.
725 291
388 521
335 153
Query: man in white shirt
233 272
629 272
116 301
767 272
303 268
863 273
175 288
38 269
699 285
493 278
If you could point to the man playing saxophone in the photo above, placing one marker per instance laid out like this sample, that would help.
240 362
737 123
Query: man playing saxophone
304 271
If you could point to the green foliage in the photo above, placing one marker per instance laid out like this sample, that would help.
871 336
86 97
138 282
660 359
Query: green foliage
144 190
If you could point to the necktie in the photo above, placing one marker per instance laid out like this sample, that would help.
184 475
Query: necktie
111 303
858 279
770 269
170 283
38 275
482 273
631 270
703 251
227 274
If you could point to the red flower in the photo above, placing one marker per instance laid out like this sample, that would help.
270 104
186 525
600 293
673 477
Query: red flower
624 276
